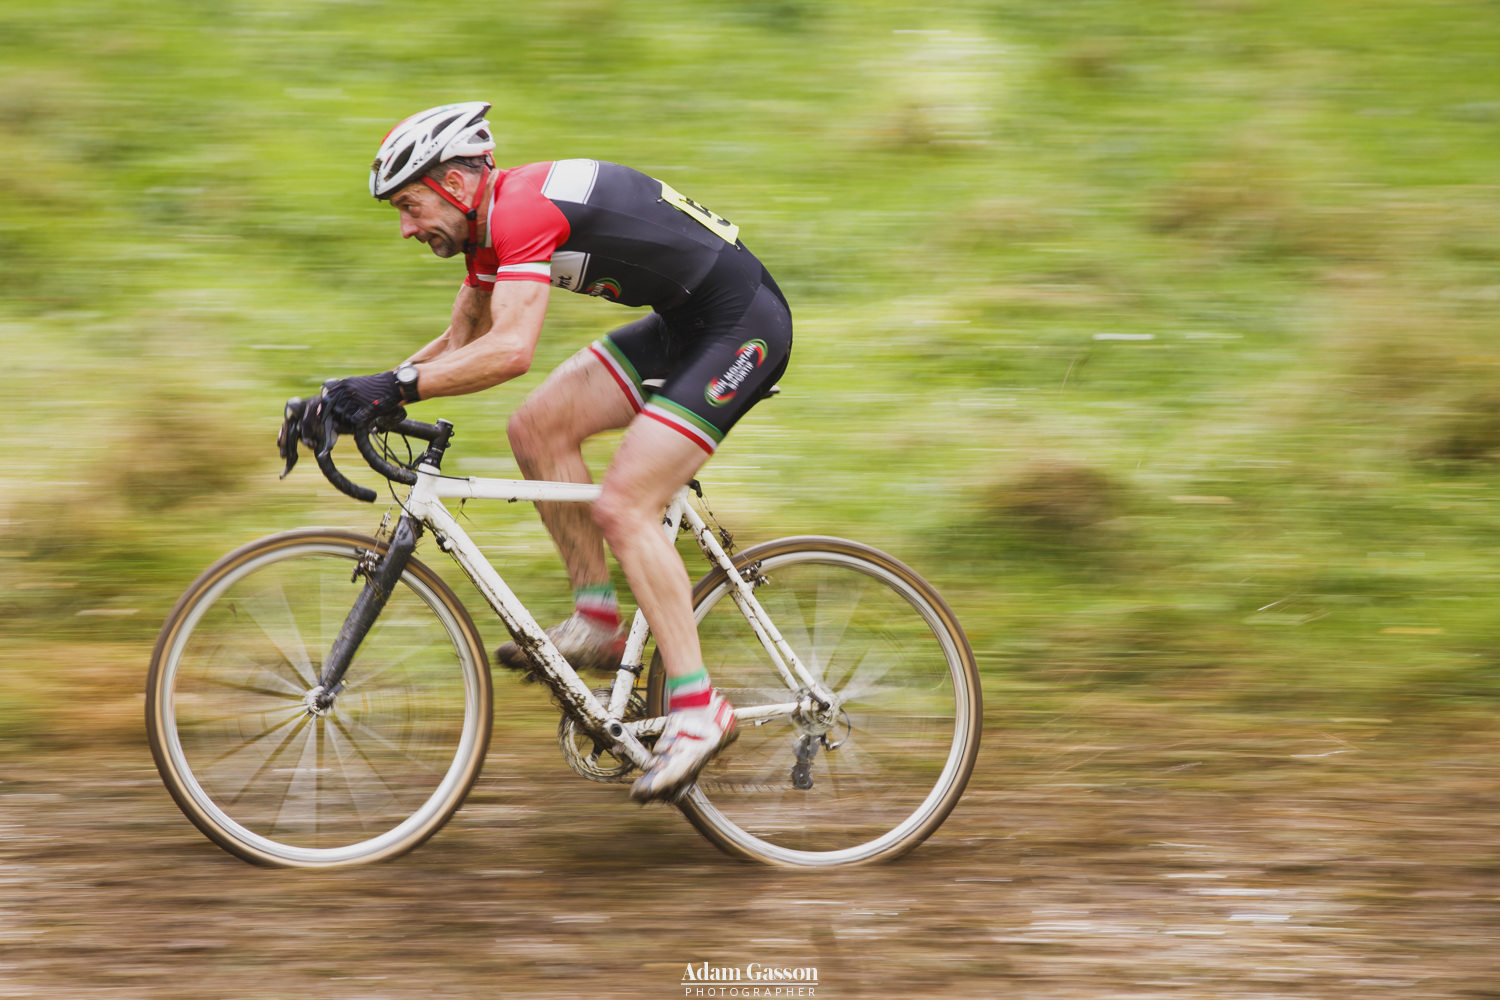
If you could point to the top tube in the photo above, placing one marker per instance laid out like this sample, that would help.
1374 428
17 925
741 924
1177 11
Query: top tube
475 488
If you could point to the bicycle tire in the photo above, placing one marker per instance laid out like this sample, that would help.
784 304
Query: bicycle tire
888 644
275 784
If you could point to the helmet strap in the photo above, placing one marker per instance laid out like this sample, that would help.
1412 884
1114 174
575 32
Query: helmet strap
471 212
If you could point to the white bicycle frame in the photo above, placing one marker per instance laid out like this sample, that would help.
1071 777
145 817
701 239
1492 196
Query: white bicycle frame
425 503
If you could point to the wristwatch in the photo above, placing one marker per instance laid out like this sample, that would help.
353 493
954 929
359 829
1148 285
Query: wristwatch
406 380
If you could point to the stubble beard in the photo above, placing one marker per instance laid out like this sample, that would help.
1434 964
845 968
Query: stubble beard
442 245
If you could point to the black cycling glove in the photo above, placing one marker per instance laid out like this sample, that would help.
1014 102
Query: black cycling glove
362 400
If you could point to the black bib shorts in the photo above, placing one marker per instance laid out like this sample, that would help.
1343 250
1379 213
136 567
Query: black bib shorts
718 353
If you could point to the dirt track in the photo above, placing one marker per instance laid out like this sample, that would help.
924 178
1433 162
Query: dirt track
1320 860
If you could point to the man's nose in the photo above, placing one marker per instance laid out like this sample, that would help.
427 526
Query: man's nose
408 228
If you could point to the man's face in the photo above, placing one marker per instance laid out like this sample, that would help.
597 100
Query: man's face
431 219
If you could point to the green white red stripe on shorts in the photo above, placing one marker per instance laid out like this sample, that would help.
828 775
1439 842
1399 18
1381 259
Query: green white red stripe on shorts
676 416
702 433
621 370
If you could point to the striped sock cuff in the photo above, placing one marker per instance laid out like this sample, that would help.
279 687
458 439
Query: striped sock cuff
692 691
598 601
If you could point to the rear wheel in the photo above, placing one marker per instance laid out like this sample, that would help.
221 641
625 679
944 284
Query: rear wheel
263 773
872 780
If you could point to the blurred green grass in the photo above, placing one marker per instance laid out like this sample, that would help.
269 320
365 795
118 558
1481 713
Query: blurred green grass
1161 336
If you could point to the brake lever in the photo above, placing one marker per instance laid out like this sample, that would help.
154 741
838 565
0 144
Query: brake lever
330 435
291 430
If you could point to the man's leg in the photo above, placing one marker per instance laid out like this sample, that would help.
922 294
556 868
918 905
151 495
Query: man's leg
652 464
578 400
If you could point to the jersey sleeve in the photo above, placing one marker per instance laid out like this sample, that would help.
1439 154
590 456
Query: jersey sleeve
525 229
481 269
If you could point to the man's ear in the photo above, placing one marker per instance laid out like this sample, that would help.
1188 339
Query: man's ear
454 180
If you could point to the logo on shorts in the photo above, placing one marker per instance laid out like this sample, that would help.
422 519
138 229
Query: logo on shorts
609 288
748 358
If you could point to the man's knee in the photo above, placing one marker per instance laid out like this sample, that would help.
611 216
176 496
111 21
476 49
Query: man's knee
537 427
609 513
521 429
615 514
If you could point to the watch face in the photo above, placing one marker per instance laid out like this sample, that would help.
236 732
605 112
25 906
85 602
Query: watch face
406 374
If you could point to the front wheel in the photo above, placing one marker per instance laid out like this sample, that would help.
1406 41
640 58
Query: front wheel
879 777
252 759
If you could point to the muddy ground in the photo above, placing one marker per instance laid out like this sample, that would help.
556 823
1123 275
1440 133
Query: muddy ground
1169 855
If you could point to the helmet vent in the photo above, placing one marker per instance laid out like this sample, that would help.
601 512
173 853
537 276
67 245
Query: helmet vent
442 126
394 167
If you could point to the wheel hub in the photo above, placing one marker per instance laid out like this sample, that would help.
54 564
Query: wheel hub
815 717
317 701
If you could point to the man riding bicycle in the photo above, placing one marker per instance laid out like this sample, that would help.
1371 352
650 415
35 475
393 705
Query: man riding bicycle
719 336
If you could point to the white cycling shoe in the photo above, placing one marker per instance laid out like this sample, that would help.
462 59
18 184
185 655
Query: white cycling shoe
586 643
691 739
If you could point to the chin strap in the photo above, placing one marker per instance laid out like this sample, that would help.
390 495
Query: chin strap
471 212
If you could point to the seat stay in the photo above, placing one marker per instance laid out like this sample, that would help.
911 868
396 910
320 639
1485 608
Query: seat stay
793 672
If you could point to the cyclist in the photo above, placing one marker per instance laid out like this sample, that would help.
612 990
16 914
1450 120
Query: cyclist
719 334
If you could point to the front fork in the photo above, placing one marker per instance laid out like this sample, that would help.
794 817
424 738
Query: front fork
380 581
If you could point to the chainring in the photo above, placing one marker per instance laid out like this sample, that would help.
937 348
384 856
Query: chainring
595 760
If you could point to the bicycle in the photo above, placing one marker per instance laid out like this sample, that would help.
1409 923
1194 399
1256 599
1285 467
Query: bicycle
303 718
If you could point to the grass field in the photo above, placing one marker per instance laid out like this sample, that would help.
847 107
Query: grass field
1162 336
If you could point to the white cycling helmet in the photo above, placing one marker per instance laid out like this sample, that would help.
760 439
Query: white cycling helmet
429 137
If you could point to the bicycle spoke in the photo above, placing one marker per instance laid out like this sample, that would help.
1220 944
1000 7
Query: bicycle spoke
828 631
260 665
271 759
853 763
349 786
374 771
320 728
332 612
214 720
354 680
343 766
254 740
866 675
299 776
387 744
292 647
291 694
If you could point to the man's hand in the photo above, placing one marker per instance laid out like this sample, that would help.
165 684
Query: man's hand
361 400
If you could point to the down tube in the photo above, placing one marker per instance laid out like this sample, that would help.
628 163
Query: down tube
518 619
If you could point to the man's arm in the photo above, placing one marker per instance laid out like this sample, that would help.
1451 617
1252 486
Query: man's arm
499 354
470 321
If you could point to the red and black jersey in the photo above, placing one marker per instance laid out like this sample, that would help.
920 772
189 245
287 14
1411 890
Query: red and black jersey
600 229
